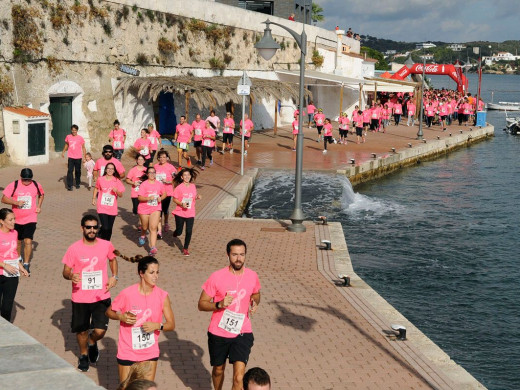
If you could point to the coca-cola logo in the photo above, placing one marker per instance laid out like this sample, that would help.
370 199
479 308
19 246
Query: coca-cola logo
430 68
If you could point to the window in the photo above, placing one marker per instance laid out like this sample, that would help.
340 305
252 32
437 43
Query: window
265 7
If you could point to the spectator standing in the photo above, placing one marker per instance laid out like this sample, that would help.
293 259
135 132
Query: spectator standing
75 146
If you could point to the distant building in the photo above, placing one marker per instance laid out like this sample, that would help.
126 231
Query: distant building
390 52
427 57
456 46
425 45
500 56
280 8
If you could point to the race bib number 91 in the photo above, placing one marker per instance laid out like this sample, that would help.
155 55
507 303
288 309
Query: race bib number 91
92 280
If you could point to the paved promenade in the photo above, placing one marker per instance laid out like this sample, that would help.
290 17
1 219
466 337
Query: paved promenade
309 333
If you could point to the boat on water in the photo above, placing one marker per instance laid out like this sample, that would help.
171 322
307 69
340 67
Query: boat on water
504 106
512 125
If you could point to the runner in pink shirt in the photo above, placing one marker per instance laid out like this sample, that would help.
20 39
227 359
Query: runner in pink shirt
443 113
366 119
185 197
410 106
155 140
108 189
198 125
232 295
247 129
150 195
344 123
183 136
215 120
143 146
85 265
26 198
134 179
430 114
311 108
327 134
295 132
117 138
398 111
99 168
9 263
319 119
164 173
208 144
227 133
75 146
358 122
140 310
374 118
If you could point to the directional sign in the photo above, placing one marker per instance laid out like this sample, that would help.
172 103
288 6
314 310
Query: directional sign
243 90
245 80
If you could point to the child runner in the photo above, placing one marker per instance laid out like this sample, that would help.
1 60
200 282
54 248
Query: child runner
227 135
319 119
151 193
327 135
134 179
143 146
109 188
143 311
208 143
185 196
89 167
183 135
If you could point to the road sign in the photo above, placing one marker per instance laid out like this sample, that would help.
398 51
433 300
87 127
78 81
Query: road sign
243 90
245 80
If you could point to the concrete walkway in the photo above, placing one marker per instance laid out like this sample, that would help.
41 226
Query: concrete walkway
309 333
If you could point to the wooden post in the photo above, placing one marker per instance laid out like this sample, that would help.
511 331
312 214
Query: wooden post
187 105
250 107
232 108
360 95
375 92
275 129
341 98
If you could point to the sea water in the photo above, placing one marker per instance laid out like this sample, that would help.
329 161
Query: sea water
438 241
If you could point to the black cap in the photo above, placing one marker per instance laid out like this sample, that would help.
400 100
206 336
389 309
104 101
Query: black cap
26 173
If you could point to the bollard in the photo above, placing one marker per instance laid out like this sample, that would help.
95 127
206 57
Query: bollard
326 245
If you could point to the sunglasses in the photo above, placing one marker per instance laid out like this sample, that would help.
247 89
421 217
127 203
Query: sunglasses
87 227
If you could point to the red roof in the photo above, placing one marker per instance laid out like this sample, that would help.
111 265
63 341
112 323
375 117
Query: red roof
26 111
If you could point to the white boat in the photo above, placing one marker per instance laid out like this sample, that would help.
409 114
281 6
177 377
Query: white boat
512 125
504 106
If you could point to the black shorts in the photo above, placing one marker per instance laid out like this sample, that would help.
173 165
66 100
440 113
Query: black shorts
237 349
246 138
197 144
165 204
128 363
87 316
366 124
343 133
227 138
319 128
25 231
135 203
359 131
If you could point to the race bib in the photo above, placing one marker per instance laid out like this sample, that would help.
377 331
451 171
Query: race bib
161 176
232 322
296 128
183 145
198 131
136 188
320 122
107 199
92 280
188 202
14 263
153 202
227 129
152 140
27 202
144 152
207 142
141 339
117 144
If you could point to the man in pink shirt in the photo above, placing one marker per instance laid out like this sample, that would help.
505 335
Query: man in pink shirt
108 157
85 264
183 136
26 198
75 145
117 137
232 294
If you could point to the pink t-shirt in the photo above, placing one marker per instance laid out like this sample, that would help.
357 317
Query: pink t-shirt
295 127
430 111
328 130
310 109
102 162
75 149
185 194
411 108
90 261
241 287
374 113
184 132
89 166
135 174
118 137
147 188
8 250
29 194
143 145
164 173
366 115
229 126
398 108
215 120
248 126
357 119
343 122
319 119
154 139
197 129
147 309
106 197
206 133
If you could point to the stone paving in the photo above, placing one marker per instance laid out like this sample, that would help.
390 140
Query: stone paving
308 334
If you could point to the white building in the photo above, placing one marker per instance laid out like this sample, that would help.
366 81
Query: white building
425 45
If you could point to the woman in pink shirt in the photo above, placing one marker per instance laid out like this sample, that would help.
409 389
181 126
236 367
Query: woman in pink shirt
319 119
410 106
143 146
430 114
247 128
198 124
310 112
227 133
143 311
134 179
109 188
9 262
398 111
185 196
183 136
151 193
343 127
295 133
155 140
357 118
374 118
208 144
327 134
165 173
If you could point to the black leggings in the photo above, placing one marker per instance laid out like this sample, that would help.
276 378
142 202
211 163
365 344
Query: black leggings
8 287
165 204
107 223
206 151
397 118
179 224
73 166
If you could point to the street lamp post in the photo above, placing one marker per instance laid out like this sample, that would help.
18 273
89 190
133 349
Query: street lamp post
267 48
420 132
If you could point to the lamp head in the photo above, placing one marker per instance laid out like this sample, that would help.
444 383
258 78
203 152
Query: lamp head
267 46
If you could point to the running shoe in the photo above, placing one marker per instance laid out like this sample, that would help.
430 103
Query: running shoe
27 267
77 186
185 253
153 251
141 240
69 188
294 150
202 168
211 162
199 162
159 235
189 163
324 151
166 227
93 353
231 151
318 140
83 364
139 228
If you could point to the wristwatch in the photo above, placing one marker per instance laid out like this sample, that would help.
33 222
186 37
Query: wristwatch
162 326
218 306
115 277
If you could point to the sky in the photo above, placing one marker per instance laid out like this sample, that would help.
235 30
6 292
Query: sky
426 20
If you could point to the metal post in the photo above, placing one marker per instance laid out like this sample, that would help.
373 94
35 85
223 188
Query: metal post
243 127
420 132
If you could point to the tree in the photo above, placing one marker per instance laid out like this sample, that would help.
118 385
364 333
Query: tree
316 13
381 62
